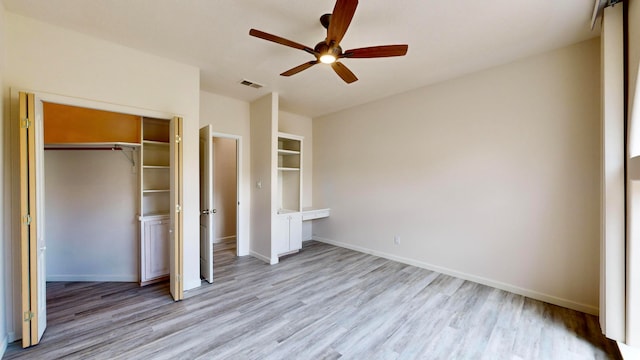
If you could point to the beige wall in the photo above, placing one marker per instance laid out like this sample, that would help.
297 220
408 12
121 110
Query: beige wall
264 129
493 177
224 187
91 201
230 116
46 58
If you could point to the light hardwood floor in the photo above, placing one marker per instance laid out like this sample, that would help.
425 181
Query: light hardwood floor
323 303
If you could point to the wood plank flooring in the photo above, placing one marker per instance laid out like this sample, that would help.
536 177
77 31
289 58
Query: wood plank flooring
323 303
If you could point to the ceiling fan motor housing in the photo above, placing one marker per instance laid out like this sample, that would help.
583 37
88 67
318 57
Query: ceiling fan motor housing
323 49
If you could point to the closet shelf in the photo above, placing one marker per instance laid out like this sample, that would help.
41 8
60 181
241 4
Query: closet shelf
91 146
154 142
288 169
153 216
288 152
156 166
151 191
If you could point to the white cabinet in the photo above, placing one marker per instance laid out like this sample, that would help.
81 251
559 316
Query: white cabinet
155 189
287 223
155 249
287 233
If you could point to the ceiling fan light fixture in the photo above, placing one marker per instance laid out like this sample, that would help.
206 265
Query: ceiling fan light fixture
327 59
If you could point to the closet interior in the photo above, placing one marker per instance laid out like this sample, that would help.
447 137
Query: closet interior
107 195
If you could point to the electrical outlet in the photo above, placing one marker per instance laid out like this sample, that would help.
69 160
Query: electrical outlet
396 239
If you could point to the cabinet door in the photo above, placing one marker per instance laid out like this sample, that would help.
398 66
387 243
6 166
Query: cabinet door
280 241
156 249
295 232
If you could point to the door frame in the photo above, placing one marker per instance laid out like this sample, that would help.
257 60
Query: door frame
14 319
242 242
205 150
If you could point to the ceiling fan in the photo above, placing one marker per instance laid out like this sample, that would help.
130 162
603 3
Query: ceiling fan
329 50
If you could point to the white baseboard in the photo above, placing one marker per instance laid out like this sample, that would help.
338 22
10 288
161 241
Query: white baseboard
260 256
628 352
3 345
91 278
589 309
11 337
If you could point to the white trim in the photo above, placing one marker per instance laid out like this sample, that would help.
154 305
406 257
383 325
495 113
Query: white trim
628 352
3 345
461 275
242 241
260 257
91 278
613 230
99 105
192 285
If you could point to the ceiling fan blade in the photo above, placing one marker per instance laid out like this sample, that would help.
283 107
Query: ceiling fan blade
340 20
377 51
299 68
279 40
344 72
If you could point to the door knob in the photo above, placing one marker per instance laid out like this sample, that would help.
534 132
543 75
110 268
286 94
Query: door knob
206 212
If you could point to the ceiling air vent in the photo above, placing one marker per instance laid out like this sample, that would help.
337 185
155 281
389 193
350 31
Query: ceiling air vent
251 84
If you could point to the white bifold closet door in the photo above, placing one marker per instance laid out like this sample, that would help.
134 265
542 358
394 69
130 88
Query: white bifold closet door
32 239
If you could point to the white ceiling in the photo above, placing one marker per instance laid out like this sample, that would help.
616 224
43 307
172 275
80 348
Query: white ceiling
446 39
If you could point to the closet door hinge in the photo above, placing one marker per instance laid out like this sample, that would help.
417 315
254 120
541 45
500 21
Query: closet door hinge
178 208
25 123
26 219
178 278
28 316
178 139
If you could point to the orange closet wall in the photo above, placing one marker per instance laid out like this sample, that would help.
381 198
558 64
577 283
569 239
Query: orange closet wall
65 124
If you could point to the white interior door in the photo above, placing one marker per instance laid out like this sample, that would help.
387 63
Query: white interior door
41 267
206 204
32 244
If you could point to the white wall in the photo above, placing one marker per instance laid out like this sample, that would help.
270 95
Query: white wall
4 232
91 202
46 58
492 177
264 128
231 116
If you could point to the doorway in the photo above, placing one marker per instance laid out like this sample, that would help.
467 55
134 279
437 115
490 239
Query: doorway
31 143
219 198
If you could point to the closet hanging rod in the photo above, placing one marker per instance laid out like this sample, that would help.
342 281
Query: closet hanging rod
84 148
91 146
110 148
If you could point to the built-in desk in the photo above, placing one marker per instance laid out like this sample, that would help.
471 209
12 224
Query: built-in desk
309 214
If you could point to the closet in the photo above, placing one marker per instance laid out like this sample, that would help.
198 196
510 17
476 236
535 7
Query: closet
131 224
